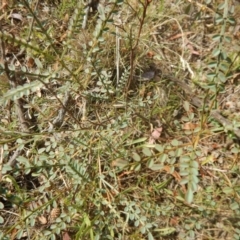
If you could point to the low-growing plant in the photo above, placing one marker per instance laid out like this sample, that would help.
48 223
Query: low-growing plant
92 149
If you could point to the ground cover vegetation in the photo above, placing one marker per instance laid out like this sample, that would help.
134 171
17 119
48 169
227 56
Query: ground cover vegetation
119 119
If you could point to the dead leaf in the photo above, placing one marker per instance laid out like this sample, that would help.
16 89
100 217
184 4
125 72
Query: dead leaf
30 62
66 18
174 221
189 126
14 233
192 50
175 174
150 54
42 220
65 236
156 133
16 16
64 35
230 105
54 214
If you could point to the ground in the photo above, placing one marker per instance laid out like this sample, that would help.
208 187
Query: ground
119 120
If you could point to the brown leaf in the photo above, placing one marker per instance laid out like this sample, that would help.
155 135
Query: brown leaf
30 62
177 176
14 233
150 54
65 236
42 220
174 221
55 212
174 174
180 35
189 126
64 35
156 133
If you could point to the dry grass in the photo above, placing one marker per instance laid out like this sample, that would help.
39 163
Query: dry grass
92 151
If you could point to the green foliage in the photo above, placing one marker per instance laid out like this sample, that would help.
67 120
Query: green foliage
21 91
107 156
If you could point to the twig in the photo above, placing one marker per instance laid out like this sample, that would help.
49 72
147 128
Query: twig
58 121
118 38
85 18
13 158
133 47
